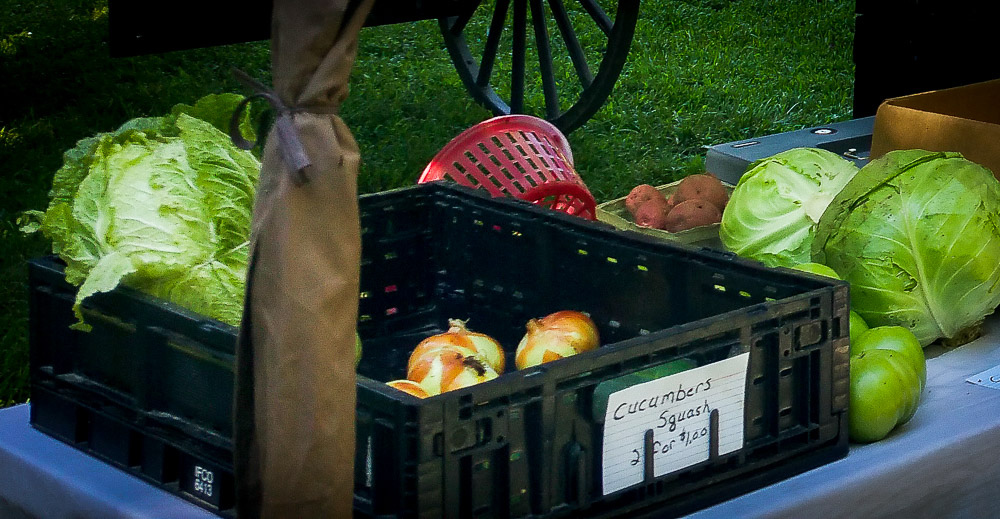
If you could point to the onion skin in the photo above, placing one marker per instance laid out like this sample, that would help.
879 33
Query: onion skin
447 368
408 386
433 346
469 343
475 371
555 336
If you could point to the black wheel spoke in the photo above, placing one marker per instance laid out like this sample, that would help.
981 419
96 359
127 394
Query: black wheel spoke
572 43
518 57
479 75
492 42
545 59
458 26
598 15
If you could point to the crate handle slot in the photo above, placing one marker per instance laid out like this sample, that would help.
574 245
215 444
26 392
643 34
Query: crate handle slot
576 468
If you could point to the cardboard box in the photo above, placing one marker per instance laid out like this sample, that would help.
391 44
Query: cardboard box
965 119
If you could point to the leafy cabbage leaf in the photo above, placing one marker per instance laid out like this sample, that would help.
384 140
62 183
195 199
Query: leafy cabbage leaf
917 235
773 212
163 204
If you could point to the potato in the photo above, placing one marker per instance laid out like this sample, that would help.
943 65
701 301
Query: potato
639 195
690 214
702 187
653 213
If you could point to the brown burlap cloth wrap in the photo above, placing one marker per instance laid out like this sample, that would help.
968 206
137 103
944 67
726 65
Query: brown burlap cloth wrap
295 381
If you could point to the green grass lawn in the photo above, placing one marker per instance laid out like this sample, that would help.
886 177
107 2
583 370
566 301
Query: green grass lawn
700 72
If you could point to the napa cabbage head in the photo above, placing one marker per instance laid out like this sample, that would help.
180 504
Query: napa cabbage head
774 209
163 204
917 235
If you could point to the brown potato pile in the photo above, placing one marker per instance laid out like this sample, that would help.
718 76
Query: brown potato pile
698 200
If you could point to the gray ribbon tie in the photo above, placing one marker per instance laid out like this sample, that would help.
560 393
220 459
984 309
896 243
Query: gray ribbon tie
292 151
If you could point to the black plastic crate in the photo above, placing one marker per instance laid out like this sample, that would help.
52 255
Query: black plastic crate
525 445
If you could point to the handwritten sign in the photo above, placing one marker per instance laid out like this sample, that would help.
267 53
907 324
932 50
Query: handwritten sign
989 378
677 410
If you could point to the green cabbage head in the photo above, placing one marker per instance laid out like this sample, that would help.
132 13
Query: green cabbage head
773 212
163 204
917 235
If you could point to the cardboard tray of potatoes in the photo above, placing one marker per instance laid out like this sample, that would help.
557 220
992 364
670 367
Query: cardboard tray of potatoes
614 212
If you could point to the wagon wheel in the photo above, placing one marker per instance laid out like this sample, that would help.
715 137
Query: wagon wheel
569 98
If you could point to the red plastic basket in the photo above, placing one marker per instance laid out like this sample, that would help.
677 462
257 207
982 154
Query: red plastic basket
515 155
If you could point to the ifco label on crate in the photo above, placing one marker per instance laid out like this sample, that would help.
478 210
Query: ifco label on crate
677 410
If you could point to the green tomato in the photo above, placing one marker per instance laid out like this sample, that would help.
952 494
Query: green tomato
817 268
884 394
357 349
857 327
911 382
894 338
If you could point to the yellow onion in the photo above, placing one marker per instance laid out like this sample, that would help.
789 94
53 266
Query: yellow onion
463 340
556 336
448 369
475 370
408 386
